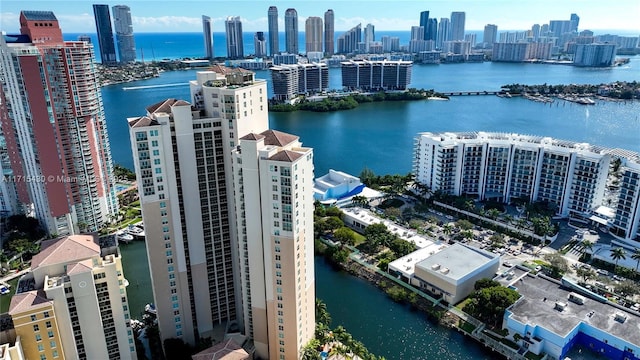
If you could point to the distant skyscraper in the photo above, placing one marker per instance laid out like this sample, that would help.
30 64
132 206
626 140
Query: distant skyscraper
348 42
431 31
457 25
260 44
369 35
559 27
490 35
208 38
235 45
58 132
105 34
274 42
424 22
417 33
85 38
329 32
291 31
124 33
444 32
313 34
535 31
575 21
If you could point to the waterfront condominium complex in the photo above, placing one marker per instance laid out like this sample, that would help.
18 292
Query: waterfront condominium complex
260 44
235 45
444 32
199 227
274 42
73 304
376 75
291 31
457 25
207 26
349 40
181 152
292 80
105 34
313 34
329 22
369 36
595 55
576 178
56 155
424 20
273 177
124 33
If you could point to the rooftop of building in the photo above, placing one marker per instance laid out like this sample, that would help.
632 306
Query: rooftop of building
456 261
28 301
376 62
278 138
226 350
286 156
164 106
538 306
34 15
406 264
66 249
368 218
142 121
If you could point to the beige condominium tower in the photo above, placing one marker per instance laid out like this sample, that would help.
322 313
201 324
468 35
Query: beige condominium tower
184 154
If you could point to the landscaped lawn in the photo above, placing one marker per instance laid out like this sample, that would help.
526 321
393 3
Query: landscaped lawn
467 327
5 300
359 238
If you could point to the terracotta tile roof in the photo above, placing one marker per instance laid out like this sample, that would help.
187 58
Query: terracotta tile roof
142 122
66 249
221 69
226 350
80 267
252 136
164 106
29 300
274 137
286 156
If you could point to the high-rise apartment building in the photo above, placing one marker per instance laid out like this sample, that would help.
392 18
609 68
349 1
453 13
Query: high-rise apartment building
235 44
390 43
291 31
490 35
207 26
444 32
260 44
596 55
424 22
457 25
273 176
73 304
124 33
329 33
431 31
369 35
291 80
575 22
348 42
274 40
502 167
105 34
417 33
313 34
182 156
535 32
60 168
376 75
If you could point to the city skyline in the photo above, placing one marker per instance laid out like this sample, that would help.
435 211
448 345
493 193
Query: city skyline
77 17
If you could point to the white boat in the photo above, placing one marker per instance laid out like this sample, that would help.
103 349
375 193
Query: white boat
151 309
135 231
124 237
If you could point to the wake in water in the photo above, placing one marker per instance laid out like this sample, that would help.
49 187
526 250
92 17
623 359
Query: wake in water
153 86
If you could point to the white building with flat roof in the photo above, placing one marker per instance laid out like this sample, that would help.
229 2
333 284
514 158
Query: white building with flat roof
335 185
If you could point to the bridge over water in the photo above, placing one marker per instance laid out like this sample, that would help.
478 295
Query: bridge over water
469 93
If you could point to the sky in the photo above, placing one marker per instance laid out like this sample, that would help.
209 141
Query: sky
76 16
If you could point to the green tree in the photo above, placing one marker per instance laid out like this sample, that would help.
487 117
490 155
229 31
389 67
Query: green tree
345 235
310 351
377 235
489 304
334 223
558 264
402 247
464 224
447 229
367 176
322 314
586 274
636 256
618 254
586 246
393 212
360 200
334 211
485 283
337 255
21 246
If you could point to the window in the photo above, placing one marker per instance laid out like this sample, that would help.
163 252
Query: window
55 353
38 337
50 334
43 357
34 318
48 324
36 327
52 344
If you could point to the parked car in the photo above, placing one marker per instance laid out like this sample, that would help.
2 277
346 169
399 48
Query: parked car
4 290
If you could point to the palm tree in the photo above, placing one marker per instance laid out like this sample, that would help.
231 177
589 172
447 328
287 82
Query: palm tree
360 200
586 246
447 229
636 256
617 254
322 315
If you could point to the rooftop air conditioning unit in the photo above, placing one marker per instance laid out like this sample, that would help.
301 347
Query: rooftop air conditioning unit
445 270
435 267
